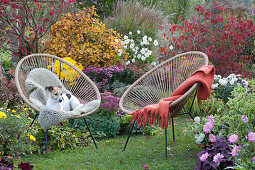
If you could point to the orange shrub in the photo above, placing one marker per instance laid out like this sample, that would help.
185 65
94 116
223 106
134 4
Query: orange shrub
84 38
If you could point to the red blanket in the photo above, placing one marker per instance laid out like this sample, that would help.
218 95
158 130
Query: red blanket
159 113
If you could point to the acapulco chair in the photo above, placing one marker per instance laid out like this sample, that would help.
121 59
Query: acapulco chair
73 79
160 82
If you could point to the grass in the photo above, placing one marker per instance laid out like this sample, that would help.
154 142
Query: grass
140 150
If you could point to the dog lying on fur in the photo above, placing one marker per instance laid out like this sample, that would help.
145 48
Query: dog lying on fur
61 101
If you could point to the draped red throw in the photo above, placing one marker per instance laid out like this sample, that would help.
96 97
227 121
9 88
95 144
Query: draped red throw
159 113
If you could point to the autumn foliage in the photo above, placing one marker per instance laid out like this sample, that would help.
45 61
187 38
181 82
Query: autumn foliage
224 40
84 38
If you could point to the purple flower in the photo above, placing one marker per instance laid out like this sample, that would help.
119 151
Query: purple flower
212 138
203 157
254 159
251 136
234 151
208 127
217 158
244 118
233 138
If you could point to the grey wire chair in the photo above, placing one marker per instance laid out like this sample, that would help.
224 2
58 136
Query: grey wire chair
71 77
160 82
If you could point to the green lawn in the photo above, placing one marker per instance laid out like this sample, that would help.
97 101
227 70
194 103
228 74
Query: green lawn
139 151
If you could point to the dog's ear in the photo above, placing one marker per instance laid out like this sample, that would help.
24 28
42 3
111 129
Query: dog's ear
50 88
60 86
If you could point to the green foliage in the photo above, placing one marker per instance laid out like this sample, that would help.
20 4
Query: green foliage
223 87
131 16
103 123
8 89
15 138
175 9
104 7
211 106
243 102
244 158
62 137
126 77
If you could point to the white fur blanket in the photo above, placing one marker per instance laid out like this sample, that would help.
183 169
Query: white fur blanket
35 84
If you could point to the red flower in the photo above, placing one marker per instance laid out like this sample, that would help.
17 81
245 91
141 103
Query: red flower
145 166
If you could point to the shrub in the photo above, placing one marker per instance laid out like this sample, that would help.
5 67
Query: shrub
104 122
104 7
25 23
176 9
140 47
107 79
236 147
243 102
8 90
223 87
82 37
132 16
15 139
101 123
223 40
62 137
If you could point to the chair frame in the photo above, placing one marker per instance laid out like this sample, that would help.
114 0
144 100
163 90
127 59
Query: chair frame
18 73
185 97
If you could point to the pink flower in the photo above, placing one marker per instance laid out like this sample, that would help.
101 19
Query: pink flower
234 151
217 158
145 166
254 159
208 127
251 136
212 138
211 119
203 157
233 138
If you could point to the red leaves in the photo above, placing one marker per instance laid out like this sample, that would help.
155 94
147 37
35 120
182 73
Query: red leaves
222 39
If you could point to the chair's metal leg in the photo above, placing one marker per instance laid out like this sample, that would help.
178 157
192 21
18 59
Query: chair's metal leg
90 132
128 136
165 142
46 141
34 119
173 129
192 105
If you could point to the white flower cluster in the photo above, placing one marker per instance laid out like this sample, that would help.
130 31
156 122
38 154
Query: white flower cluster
137 51
199 138
232 79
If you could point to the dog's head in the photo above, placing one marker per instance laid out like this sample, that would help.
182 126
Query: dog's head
55 93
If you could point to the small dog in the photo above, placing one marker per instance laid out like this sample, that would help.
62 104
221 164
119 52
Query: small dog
61 101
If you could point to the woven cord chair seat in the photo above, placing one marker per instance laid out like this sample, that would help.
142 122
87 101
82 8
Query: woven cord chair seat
161 81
